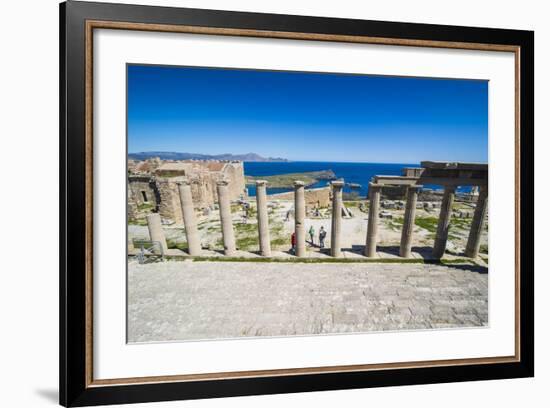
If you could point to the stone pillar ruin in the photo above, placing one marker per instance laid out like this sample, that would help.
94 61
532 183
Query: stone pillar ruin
472 247
155 230
263 220
226 219
408 222
336 230
189 219
372 228
299 218
443 224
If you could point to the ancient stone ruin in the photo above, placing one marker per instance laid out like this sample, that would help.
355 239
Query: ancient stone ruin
448 175
186 199
154 183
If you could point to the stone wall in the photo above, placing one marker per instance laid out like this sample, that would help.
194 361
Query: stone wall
315 197
161 190
142 189
169 205
234 173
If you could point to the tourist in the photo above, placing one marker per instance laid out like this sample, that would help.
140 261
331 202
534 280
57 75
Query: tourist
311 235
322 236
293 242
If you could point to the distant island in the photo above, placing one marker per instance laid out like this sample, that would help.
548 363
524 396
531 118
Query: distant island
287 180
249 157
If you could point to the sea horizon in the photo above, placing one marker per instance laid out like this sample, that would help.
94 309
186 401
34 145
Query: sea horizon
359 173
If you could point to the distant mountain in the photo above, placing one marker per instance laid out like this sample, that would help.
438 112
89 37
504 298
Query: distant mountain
251 157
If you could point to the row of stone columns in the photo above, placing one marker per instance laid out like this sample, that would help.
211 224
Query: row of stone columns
224 203
408 220
442 234
193 237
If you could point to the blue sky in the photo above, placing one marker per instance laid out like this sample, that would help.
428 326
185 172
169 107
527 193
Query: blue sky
306 116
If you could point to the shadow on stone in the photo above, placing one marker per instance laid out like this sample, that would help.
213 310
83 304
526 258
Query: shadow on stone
389 250
358 249
424 251
483 270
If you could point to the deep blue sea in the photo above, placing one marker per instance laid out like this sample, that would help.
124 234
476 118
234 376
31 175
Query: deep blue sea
360 173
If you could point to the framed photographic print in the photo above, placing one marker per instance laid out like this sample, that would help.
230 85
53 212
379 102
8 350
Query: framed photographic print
256 203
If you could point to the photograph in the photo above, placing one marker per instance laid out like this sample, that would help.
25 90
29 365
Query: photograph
265 203
258 203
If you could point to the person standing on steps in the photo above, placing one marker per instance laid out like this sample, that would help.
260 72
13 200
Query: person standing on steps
311 235
322 236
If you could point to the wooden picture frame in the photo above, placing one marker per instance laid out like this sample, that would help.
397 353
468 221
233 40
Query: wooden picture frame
78 20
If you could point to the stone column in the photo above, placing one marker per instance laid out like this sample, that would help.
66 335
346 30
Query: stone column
372 228
155 230
472 247
226 219
444 221
336 230
263 219
299 218
189 219
408 222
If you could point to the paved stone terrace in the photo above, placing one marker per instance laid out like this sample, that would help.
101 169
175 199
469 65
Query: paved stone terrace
170 301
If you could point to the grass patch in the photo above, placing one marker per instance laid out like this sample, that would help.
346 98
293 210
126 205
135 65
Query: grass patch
351 204
218 244
453 237
333 260
173 244
395 224
280 242
242 228
451 261
247 243
145 206
428 223
462 223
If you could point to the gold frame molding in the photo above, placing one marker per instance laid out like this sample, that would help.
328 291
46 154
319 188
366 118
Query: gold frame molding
99 24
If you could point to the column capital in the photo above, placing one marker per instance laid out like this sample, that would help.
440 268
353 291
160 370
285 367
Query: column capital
299 183
222 183
261 182
337 184
375 186
183 183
